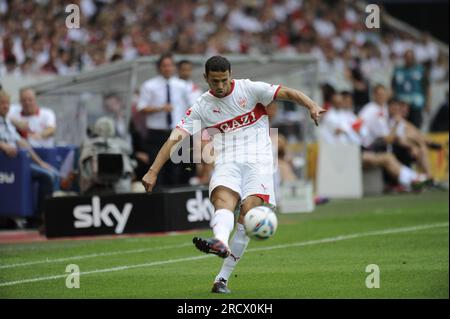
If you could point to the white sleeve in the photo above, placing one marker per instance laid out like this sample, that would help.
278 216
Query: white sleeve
191 122
264 92
145 97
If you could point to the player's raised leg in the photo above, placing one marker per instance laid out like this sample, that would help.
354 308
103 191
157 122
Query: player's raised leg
225 201
238 244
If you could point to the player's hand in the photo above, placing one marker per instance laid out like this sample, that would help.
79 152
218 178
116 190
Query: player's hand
316 111
149 180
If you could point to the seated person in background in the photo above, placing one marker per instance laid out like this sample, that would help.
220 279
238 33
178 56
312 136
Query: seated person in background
410 144
139 148
342 126
114 108
10 141
105 164
184 70
36 124
286 171
376 120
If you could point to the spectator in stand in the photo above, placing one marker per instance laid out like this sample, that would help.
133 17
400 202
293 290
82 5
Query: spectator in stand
328 92
341 126
411 144
375 115
164 100
114 108
184 68
360 86
36 124
110 30
10 142
410 84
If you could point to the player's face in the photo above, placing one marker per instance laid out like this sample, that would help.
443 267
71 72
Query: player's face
219 82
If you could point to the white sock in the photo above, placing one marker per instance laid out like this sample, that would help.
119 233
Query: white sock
223 224
406 176
238 244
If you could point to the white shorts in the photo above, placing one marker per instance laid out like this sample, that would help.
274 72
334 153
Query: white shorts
245 179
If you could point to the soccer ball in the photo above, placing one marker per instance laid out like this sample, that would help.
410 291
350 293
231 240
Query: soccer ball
260 222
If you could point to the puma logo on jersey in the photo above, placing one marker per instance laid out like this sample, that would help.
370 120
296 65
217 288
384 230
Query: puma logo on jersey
242 102
216 110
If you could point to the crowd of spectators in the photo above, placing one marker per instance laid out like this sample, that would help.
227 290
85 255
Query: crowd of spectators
386 136
35 39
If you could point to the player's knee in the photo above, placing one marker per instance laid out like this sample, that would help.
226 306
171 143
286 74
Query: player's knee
219 203
249 203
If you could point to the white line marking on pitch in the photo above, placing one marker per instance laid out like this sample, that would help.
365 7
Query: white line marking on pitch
298 244
112 253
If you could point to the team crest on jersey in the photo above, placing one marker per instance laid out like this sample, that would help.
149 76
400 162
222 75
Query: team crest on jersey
242 102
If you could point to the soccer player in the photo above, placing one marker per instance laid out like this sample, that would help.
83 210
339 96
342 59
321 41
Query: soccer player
235 115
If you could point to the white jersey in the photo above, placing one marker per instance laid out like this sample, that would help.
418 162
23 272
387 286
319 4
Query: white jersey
238 122
376 119
37 123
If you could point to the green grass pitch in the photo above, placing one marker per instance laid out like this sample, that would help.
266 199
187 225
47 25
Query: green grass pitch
319 255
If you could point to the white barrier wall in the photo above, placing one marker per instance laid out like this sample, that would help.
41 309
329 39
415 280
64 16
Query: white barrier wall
339 171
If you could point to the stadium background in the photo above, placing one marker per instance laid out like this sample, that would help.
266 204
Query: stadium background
302 44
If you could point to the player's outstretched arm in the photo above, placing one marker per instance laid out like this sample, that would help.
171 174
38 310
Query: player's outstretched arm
149 179
298 97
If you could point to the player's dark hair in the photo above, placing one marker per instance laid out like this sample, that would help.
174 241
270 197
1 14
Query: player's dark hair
163 56
217 64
